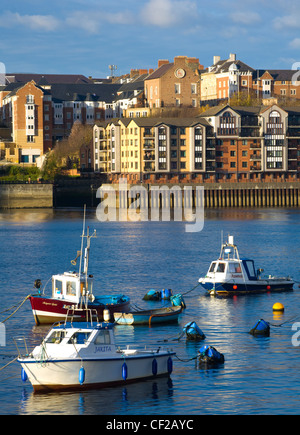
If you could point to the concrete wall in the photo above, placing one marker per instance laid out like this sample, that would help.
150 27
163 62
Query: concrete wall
26 195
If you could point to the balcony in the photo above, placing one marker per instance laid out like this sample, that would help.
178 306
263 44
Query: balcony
228 131
149 156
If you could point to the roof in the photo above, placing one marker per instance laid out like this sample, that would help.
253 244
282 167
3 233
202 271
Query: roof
279 74
49 78
224 65
159 72
85 92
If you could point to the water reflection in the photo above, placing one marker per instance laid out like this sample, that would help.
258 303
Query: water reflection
106 401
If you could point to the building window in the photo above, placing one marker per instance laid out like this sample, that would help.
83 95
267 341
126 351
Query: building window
177 88
194 88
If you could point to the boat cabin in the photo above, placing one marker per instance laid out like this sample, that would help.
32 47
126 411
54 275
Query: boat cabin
232 269
70 286
96 340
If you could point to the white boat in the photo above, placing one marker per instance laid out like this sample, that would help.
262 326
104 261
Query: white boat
230 275
75 356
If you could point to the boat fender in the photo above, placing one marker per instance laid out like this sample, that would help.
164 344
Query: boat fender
170 365
124 371
24 376
261 328
154 367
81 376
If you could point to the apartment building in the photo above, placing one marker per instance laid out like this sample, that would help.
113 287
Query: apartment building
38 115
225 78
175 84
277 83
223 144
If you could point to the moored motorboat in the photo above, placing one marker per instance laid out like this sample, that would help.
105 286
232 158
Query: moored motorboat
72 291
148 317
230 275
78 356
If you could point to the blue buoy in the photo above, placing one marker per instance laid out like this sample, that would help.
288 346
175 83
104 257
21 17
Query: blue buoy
154 367
193 332
261 328
81 376
170 365
209 356
124 371
177 301
166 293
24 376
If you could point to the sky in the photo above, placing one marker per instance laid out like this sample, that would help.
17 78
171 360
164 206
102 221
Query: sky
86 36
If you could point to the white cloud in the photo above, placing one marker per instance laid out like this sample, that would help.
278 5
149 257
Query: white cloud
247 18
295 43
288 21
166 13
92 21
46 23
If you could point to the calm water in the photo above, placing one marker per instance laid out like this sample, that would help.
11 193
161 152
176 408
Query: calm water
260 375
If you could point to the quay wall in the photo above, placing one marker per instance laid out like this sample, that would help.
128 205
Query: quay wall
283 194
26 196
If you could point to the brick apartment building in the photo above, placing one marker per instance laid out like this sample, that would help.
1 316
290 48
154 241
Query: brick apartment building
223 144
38 115
174 84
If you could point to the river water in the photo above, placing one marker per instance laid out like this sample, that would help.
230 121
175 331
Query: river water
260 375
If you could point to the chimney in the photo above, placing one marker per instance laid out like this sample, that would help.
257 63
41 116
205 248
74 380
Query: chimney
162 62
232 57
216 59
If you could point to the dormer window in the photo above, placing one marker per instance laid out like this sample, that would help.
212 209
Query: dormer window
30 99
227 124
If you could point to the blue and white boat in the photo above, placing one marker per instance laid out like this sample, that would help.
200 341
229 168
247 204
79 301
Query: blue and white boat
230 275
76 356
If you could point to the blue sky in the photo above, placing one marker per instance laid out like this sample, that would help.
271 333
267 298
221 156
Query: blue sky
85 36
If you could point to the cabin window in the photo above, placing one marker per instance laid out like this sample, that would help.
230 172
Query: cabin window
56 337
79 338
212 267
103 338
71 288
221 268
250 267
58 287
234 268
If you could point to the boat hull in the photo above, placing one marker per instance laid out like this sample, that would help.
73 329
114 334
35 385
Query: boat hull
48 311
227 289
148 317
64 374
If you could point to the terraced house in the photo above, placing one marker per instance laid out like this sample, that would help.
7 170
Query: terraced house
223 144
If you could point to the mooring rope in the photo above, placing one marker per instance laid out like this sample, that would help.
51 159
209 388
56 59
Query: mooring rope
23 302
6 365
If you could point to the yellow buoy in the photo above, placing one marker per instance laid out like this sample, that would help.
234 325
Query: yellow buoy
278 307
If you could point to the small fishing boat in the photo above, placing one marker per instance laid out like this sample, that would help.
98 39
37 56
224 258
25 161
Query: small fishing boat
149 317
75 356
230 275
72 291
